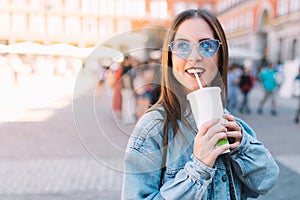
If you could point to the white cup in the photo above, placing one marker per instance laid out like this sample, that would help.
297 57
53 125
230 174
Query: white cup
206 104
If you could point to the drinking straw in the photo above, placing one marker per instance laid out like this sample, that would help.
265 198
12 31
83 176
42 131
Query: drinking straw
195 72
198 79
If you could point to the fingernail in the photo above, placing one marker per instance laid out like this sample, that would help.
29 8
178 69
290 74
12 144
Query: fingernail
224 121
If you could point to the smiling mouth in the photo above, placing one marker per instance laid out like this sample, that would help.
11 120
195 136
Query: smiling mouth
193 71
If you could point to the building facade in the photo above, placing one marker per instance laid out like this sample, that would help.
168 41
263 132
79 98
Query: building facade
83 22
268 27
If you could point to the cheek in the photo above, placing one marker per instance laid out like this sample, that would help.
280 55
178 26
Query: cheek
211 71
210 75
178 64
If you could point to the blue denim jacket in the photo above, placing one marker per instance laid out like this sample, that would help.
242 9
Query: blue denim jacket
250 167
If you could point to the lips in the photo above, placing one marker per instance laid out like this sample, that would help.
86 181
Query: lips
192 70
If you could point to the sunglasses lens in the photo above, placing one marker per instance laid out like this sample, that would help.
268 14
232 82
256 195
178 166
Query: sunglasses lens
181 48
208 48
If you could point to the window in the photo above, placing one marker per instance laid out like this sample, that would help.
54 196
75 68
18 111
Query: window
178 7
120 7
294 6
159 9
107 7
90 7
72 5
123 26
19 22
72 26
294 49
280 53
5 22
130 8
89 26
39 5
106 27
55 25
19 4
249 19
54 4
134 8
282 7
36 24
140 10
4 3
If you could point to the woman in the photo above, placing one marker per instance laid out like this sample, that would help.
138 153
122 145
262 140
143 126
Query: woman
297 94
167 157
246 83
269 84
233 90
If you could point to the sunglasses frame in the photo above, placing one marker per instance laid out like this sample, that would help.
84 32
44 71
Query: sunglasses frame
186 55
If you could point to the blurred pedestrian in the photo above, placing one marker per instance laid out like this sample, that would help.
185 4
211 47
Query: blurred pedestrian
267 76
100 85
297 94
143 88
246 83
167 156
233 87
128 96
113 79
155 66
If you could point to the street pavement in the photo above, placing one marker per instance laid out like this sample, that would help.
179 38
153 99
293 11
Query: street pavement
281 136
56 147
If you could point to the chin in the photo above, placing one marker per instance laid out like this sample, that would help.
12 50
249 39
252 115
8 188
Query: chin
191 88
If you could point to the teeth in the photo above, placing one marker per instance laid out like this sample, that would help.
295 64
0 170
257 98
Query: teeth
193 71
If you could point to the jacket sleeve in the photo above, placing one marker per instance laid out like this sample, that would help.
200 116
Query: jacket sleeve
142 164
191 182
254 164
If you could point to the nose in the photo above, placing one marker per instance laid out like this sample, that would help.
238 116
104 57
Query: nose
195 54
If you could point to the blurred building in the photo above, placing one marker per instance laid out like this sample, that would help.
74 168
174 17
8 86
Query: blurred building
83 23
263 29
268 27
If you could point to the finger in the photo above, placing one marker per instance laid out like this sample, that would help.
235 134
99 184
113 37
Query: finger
228 117
218 136
232 125
234 136
219 149
206 125
234 145
213 150
215 129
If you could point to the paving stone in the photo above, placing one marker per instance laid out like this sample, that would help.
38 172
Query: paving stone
46 176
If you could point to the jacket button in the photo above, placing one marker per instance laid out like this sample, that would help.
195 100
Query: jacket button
206 175
224 178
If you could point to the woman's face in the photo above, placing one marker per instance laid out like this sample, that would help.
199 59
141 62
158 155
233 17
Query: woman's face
194 31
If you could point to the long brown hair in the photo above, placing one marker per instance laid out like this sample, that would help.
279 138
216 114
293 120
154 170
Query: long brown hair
172 96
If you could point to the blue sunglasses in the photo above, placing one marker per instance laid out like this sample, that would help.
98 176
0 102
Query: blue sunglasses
207 48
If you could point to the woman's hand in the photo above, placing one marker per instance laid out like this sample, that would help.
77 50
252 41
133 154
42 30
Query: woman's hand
234 131
205 148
